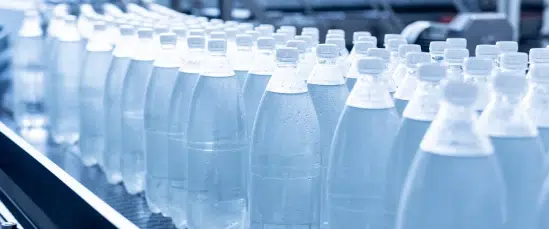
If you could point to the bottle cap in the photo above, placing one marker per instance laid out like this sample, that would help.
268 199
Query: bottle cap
455 55
244 40
266 43
337 31
99 26
216 21
507 46
197 32
539 73
254 35
340 42
509 82
280 38
487 51
460 93
161 28
406 48
196 41
367 38
415 58
327 51
371 65
358 34
300 45
437 47
394 44
539 55
70 19
432 72
287 54
379 52
457 42
231 23
168 39
388 37
217 45
267 27
218 35
127 30
307 39
361 47
477 66
180 31
514 60
145 33
245 27
265 30
310 30
231 33
288 28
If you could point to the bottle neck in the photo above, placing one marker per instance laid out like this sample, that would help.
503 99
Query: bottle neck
326 61
425 102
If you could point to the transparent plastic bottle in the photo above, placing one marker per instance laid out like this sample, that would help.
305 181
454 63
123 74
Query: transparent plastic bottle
133 106
304 67
178 118
29 75
453 148
84 23
243 58
314 33
477 71
343 53
399 74
50 49
361 51
284 175
181 33
65 84
217 146
417 117
360 150
231 42
259 75
309 56
408 86
393 45
96 65
490 52
123 51
536 99
385 55
517 147
328 91
458 43
436 49
112 32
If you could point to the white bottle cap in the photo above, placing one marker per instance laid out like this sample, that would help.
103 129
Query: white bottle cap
70 19
307 39
455 55
168 39
196 41
99 26
460 93
539 55
287 54
180 31
361 47
216 21
438 47
477 66
415 58
340 42
487 51
337 31
266 43
244 40
267 27
514 60
145 33
231 33
161 28
334 36
299 45
231 23
310 29
507 46
393 44
327 51
280 38
389 37
254 35
314 36
457 42
367 38
379 52
245 27
291 29
358 34
127 30
432 72
406 48
371 65
217 45
264 31
510 83
218 35
197 32
539 73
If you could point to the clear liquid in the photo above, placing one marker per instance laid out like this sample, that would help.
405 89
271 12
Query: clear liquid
253 90
113 119
157 108
404 149
452 193
400 105
350 82
241 76
544 136
524 166
329 101
543 210
284 185
50 52
357 171
177 146
29 100
217 149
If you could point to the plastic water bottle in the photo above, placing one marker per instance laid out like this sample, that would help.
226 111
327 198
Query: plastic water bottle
304 67
343 60
360 149
453 59
408 86
314 33
458 43
536 99
517 147
243 57
123 51
436 49
490 52
417 118
477 71
389 37
361 51
455 175
309 58
399 74
284 185
352 55
96 65
133 106
231 42
538 56
29 74
259 75
157 106
65 117
217 146
84 23
112 30
328 91
393 45
51 47
178 117
385 55
181 33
